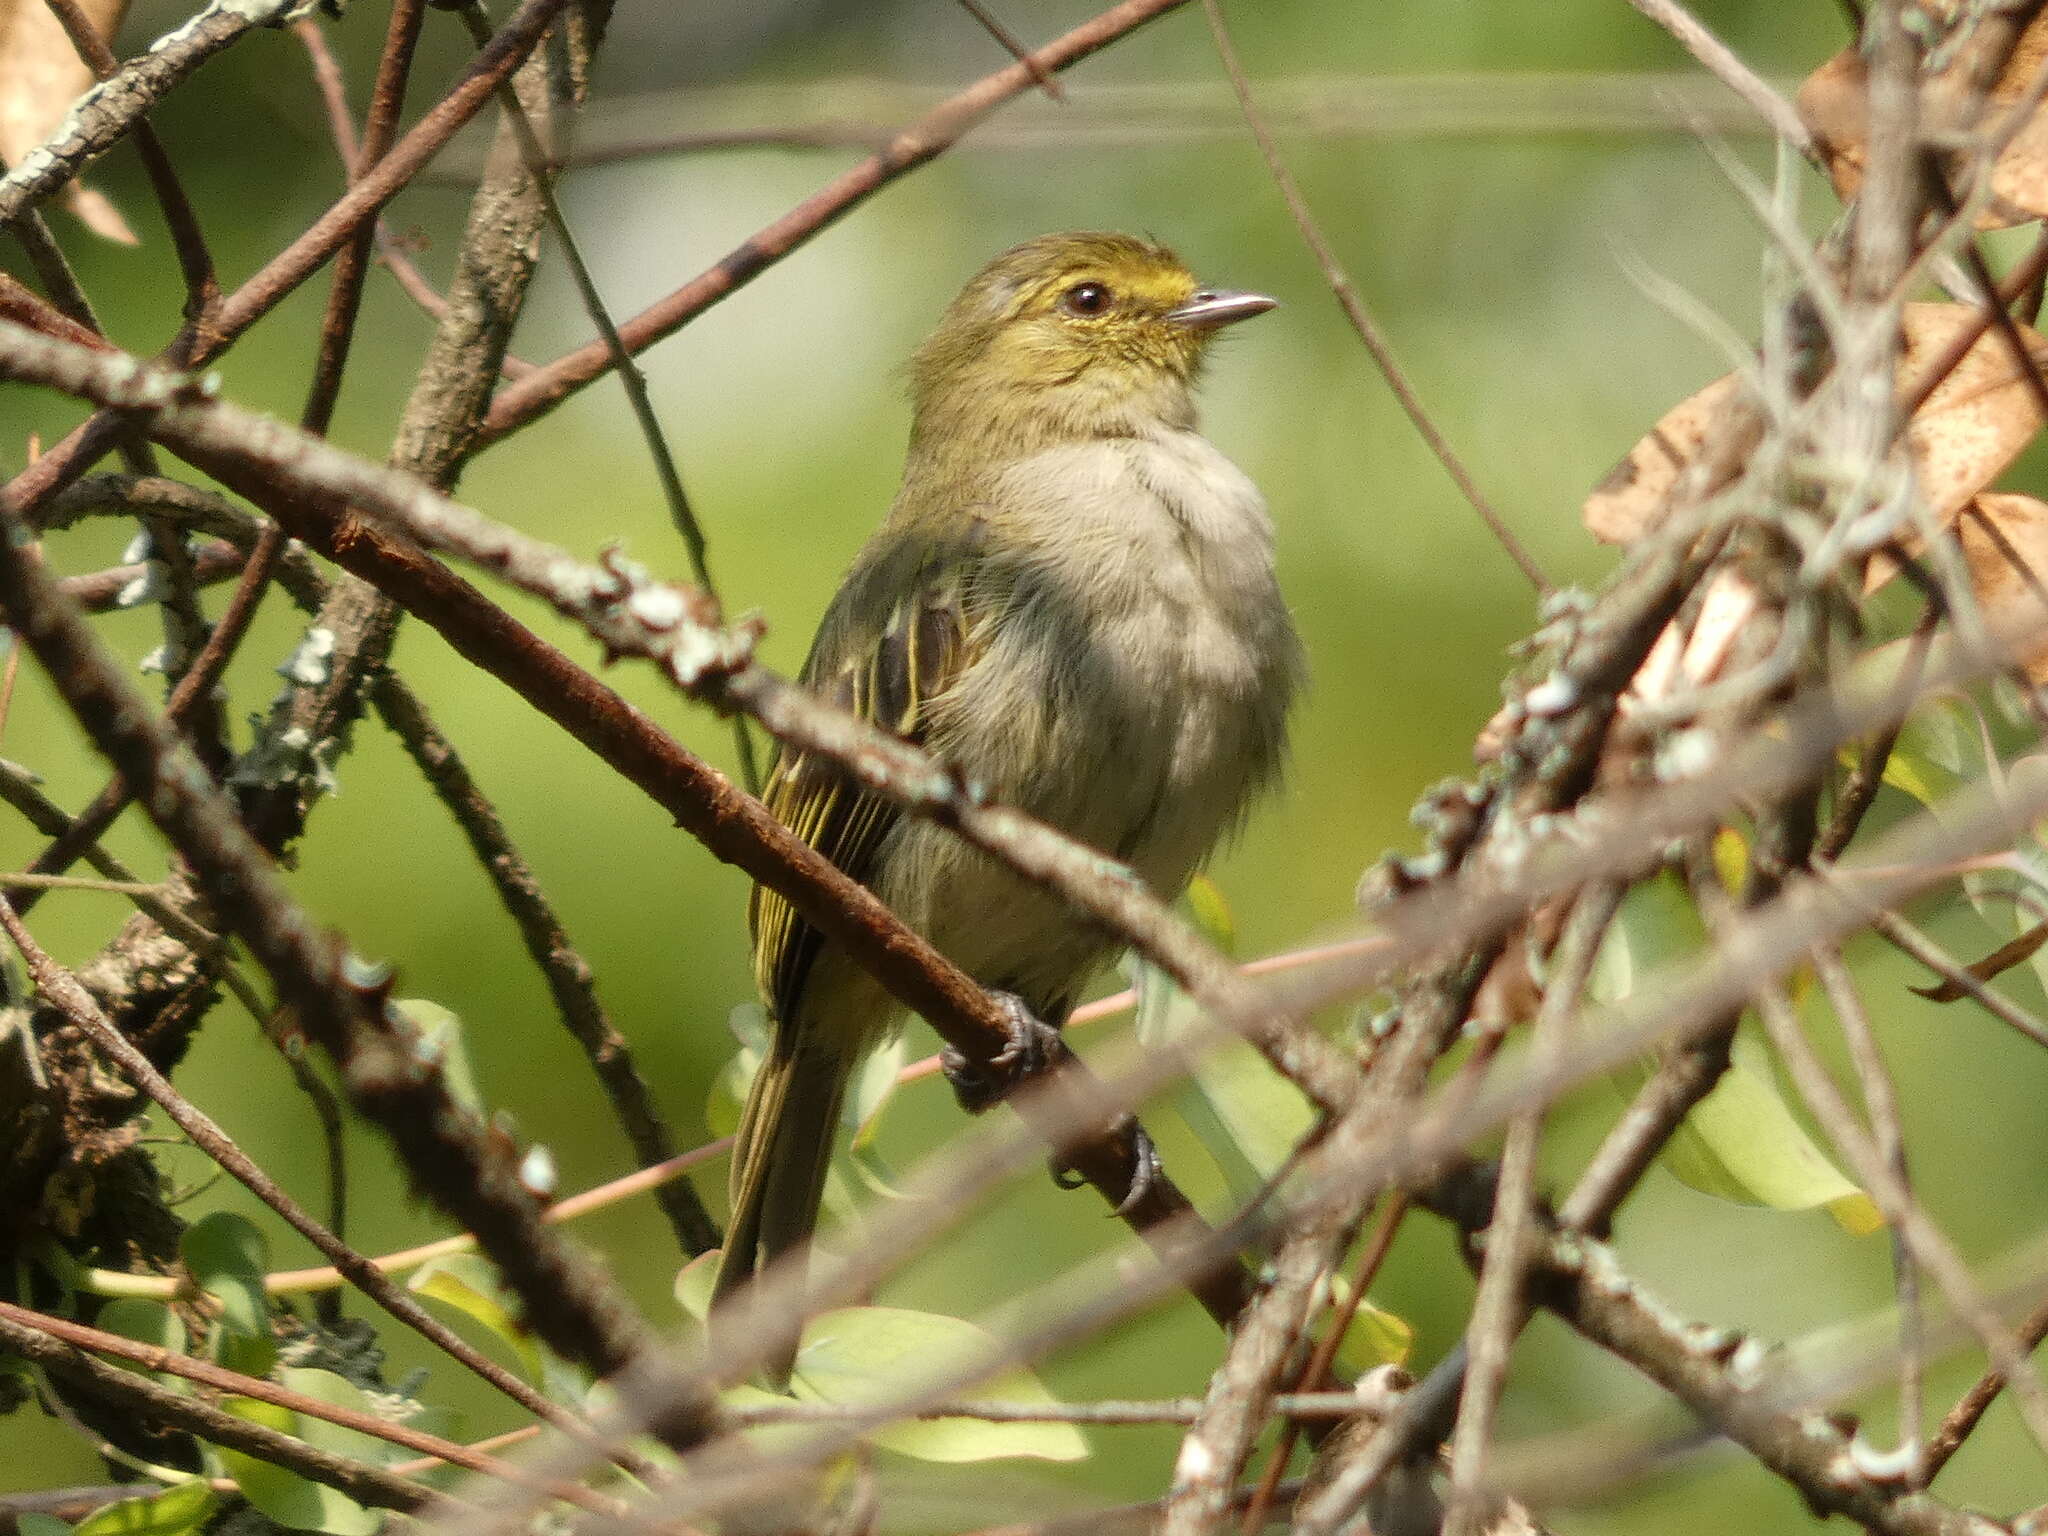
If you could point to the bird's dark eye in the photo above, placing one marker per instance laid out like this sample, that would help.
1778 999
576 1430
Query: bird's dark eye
1085 299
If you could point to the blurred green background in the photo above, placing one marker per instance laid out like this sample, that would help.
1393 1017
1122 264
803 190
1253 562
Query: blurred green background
1492 249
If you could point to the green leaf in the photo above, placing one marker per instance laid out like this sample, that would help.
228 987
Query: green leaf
1375 1337
144 1321
226 1256
860 1355
749 1025
873 1086
694 1283
291 1500
470 1285
1211 911
1743 1143
178 1511
337 1392
31 1523
729 1091
442 1038
1246 1116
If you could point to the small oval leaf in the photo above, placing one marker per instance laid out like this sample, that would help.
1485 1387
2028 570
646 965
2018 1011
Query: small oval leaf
470 1285
292 1501
858 1355
1743 1143
179 1511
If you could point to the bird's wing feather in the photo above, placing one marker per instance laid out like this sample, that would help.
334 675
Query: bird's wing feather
889 675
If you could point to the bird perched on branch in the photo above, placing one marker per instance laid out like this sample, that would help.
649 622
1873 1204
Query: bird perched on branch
1073 603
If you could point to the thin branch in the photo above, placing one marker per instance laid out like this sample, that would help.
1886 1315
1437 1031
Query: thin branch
63 989
98 119
567 973
1218 1442
922 141
300 1282
192 690
126 586
1719 60
153 1357
1881 1109
155 1404
1723 1378
1961 1420
351 262
631 379
1910 940
195 261
280 276
1928 1246
1500 1309
1047 82
864 114
341 1006
1355 311
1377 1246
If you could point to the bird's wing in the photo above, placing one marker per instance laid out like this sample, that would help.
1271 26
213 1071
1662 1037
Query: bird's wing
888 674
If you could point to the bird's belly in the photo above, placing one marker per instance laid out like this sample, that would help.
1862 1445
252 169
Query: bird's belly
1155 746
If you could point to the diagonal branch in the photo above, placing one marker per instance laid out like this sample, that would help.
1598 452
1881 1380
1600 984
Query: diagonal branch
924 140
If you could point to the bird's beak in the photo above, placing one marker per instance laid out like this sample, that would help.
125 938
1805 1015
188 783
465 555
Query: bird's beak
1213 308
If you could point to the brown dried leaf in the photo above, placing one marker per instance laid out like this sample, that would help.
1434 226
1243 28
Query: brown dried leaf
2005 546
1832 100
1979 417
41 75
1630 501
2002 959
1973 425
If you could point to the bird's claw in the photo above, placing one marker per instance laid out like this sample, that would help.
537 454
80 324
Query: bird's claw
1145 1167
1032 1044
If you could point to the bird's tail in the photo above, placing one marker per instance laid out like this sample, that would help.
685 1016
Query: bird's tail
780 1156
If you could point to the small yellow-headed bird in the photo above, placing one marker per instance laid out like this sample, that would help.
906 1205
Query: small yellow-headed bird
1073 602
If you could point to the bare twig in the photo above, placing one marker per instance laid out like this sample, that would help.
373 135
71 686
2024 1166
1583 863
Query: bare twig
1927 1245
279 277
167 1362
567 973
631 378
195 261
1360 317
1500 1309
1720 1376
910 148
63 989
1881 1109
98 120
1214 1450
1720 61
163 1405
1047 82
475 1178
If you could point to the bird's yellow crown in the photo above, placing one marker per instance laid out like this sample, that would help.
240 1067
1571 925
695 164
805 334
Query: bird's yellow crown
1071 333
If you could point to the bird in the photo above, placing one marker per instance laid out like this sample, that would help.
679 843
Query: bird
1073 603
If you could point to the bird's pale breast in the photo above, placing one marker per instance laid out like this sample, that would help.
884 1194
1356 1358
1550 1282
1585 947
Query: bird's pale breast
1144 638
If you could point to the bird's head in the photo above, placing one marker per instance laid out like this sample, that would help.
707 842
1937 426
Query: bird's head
1073 335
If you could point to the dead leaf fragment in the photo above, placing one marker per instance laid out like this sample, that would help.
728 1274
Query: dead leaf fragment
2002 959
1833 101
41 75
1973 424
2005 547
1630 501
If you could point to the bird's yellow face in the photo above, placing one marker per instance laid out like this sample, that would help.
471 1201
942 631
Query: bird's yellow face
1081 325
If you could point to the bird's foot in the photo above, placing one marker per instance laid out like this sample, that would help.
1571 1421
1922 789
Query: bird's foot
1146 1169
1032 1046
